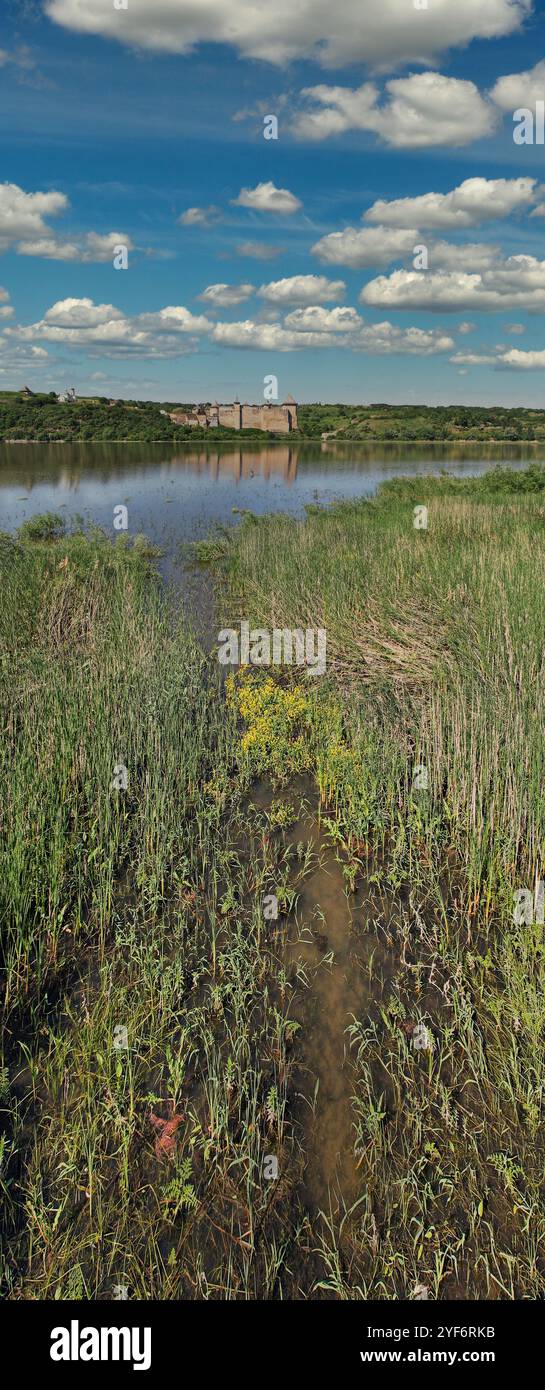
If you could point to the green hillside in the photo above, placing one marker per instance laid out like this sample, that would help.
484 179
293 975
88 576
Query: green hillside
41 417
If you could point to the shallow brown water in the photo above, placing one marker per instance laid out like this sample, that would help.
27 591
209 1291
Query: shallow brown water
326 941
327 935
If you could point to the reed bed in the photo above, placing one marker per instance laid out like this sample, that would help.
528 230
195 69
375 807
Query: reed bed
435 666
158 1025
147 1036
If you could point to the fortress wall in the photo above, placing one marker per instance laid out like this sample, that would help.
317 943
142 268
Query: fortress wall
279 418
230 416
266 417
252 417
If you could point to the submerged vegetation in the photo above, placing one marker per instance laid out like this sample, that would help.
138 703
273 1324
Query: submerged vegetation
343 1097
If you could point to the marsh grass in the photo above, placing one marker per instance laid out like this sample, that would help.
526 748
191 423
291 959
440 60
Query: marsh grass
141 909
132 909
435 659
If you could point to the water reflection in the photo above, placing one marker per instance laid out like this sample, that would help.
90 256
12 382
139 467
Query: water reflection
66 465
179 492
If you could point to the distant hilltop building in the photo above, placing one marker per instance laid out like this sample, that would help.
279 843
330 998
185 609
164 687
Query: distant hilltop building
280 419
26 392
67 397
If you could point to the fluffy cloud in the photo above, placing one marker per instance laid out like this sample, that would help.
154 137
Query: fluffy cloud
22 214
520 88
513 359
382 339
317 319
366 246
90 247
380 246
474 256
270 337
102 330
472 202
303 289
175 318
333 110
23 226
422 111
523 361
400 225
517 282
226 296
387 338
267 198
81 313
393 32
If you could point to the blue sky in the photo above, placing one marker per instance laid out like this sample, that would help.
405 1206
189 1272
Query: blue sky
291 257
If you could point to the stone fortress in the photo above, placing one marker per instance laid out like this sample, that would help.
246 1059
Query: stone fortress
281 419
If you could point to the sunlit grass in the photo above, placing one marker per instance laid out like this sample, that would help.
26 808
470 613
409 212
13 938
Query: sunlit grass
141 909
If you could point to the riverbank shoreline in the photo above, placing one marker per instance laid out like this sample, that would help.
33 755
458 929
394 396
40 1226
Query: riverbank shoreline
293 440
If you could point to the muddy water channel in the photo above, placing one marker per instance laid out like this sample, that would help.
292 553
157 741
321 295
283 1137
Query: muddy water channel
330 942
330 951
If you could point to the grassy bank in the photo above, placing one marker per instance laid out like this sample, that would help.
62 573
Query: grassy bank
435 650
165 1038
435 664
146 1032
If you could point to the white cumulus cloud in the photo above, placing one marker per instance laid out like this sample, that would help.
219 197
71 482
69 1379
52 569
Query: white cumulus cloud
366 246
474 201
516 282
24 227
226 296
317 319
424 110
303 289
105 331
267 198
523 361
520 88
92 246
80 313
22 214
384 34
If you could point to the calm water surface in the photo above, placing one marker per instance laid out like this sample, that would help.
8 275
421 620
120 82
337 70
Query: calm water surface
180 493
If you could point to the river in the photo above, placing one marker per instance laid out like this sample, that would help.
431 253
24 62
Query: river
179 492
